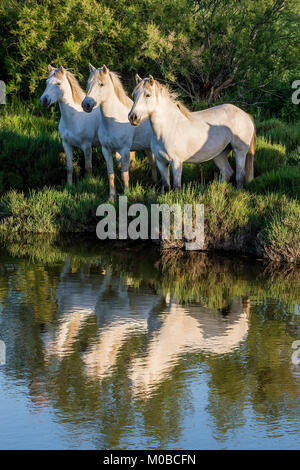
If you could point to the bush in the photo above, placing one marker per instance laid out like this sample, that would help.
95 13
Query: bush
248 50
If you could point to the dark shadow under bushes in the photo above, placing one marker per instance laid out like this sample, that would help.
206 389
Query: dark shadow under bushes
28 162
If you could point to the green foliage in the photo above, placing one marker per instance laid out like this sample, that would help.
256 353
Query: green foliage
244 51
281 234
31 153
30 149
268 155
234 220
283 180
280 132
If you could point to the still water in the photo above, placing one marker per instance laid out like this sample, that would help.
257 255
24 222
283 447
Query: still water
108 348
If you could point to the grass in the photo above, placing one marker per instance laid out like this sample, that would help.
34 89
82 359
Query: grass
263 219
284 180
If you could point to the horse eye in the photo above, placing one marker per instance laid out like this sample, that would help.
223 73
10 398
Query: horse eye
147 95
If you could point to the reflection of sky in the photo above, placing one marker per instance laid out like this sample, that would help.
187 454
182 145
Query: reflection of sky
20 427
253 434
24 428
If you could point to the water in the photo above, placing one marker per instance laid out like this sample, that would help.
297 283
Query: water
109 348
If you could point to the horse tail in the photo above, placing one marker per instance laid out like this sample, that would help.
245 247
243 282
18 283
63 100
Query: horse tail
249 165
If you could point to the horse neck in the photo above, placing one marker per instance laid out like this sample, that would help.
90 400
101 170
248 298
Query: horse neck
67 102
68 106
166 114
112 106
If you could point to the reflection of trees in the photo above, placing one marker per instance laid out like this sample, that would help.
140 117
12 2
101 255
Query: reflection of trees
260 376
29 304
37 286
273 386
91 333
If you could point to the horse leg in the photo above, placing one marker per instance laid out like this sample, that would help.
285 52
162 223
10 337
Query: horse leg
224 166
164 172
240 159
132 160
69 157
125 161
87 150
110 171
152 162
177 172
118 157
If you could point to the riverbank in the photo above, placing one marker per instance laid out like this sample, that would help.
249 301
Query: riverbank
262 220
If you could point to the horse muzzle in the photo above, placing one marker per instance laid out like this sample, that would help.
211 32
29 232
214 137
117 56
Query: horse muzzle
45 102
87 105
133 119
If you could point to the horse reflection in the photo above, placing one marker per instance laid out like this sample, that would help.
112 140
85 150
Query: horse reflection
113 303
188 329
173 329
122 312
77 295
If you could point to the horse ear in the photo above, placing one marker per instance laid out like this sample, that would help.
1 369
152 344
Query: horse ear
138 79
62 69
104 68
151 80
50 68
92 68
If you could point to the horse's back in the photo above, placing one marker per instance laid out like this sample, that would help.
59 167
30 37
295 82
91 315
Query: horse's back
238 121
220 113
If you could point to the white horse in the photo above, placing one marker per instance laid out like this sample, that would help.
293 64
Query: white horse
181 136
115 133
76 128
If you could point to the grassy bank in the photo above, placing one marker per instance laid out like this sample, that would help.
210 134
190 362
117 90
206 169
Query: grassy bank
263 219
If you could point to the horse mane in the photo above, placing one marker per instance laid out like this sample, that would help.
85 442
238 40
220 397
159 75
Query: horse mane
172 96
119 89
77 92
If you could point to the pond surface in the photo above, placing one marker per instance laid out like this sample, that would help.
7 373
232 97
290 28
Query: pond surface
108 348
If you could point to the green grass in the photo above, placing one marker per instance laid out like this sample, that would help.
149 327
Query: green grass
263 219
284 180
264 225
32 156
